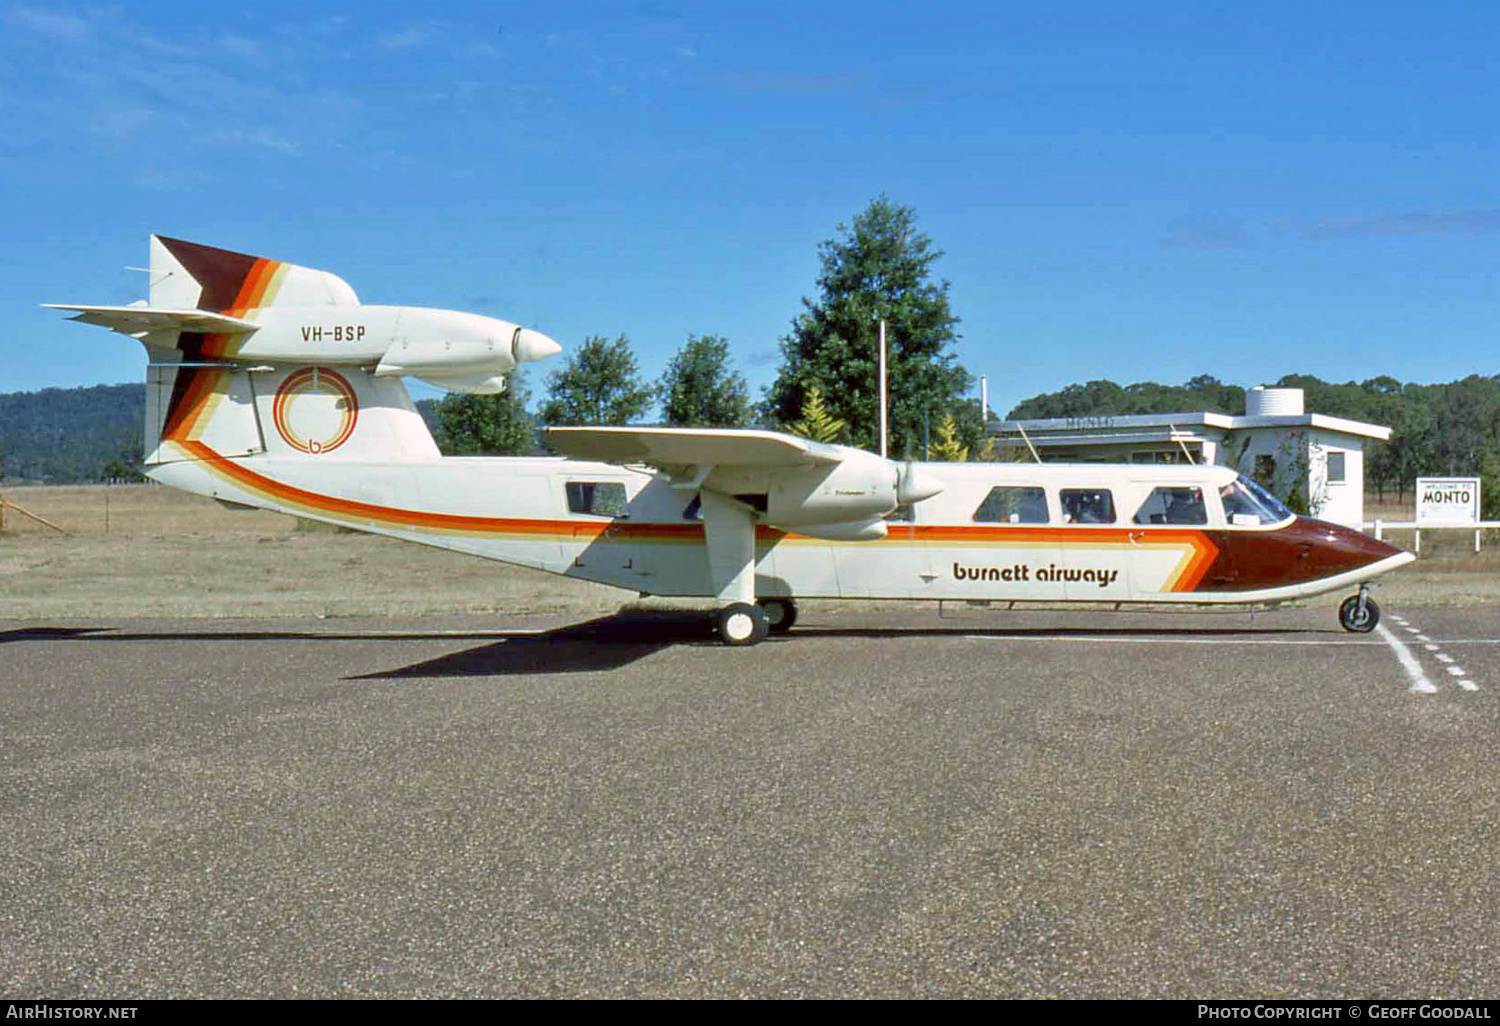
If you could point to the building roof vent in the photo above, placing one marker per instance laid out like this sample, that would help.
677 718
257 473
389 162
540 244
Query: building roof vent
1261 401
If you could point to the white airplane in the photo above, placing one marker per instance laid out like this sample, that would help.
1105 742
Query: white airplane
270 386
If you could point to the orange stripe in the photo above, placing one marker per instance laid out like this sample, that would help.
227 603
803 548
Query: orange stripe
251 288
254 482
1205 552
185 417
263 283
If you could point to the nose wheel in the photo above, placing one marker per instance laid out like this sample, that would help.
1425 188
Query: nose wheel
1359 613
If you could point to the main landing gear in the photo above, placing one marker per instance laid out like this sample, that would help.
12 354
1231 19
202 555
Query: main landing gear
1359 613
744 624
780 614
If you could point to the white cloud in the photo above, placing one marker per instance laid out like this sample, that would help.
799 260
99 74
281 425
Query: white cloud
1407 224
54 24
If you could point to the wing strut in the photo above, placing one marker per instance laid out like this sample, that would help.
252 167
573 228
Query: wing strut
729 529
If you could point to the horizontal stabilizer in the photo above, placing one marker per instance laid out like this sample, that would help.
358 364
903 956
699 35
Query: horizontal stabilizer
136 320
685 447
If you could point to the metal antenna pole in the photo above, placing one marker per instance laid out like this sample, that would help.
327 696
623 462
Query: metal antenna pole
884 446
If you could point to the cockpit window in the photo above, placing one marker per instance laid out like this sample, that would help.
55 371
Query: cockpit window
1087 505
1175 505
1013 505
1248 504
602 498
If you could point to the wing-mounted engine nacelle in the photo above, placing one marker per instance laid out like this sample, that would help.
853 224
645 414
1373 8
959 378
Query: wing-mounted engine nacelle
843 501
858 530
460 352
859 488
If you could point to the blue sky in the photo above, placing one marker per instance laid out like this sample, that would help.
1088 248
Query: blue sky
1137 191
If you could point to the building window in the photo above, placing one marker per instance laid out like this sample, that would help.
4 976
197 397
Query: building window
1265 470
1335 468
1175 454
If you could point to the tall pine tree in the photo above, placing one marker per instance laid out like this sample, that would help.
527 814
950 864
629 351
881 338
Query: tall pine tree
878 266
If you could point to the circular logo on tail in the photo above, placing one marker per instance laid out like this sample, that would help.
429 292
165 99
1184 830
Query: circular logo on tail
315 410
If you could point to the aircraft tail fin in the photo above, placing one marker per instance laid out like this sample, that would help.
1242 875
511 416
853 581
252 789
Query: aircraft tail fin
201 408
188 275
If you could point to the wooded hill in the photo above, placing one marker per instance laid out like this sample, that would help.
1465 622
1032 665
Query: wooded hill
79 435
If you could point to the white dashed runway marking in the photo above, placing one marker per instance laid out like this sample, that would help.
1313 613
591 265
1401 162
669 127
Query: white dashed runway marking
1414 668
1414 672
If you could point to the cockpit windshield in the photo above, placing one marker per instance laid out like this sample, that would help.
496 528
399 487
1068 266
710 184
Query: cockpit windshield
1247 504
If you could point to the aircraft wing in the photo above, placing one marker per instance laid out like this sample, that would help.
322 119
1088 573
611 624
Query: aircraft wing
670 448
135 320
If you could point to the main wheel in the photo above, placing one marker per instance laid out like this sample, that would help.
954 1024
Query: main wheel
742 624
1352 619
780 614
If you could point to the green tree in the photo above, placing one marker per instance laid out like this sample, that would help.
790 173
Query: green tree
599 385
487 425
816 422
1411 450
947 448
1105 399
878 266
700 390
1468 415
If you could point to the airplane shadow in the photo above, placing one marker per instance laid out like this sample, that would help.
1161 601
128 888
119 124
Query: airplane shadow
614 641
48 633
606 643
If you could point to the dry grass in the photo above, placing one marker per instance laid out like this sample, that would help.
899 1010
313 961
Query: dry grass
169 554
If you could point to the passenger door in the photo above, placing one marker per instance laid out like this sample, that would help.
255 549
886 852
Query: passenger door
1168 541
1095 549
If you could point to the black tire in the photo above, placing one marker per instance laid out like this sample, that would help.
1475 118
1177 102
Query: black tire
1351 619
780 614
742 624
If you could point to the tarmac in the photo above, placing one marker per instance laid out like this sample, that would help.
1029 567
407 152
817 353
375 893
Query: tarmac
884 803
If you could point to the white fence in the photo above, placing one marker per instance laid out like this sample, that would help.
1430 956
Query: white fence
1380 526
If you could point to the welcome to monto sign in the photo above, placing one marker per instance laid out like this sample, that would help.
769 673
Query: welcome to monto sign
1447 501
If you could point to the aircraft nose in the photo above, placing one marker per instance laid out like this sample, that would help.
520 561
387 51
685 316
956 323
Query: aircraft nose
532 345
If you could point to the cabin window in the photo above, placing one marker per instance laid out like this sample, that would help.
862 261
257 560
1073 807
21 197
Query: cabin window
1087 506
1247 504
1176 505
1335 468
1008 504
601 498
694 509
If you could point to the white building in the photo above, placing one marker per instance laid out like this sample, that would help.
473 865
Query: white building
1320 456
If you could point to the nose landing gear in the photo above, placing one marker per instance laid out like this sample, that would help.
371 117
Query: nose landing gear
1359 613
